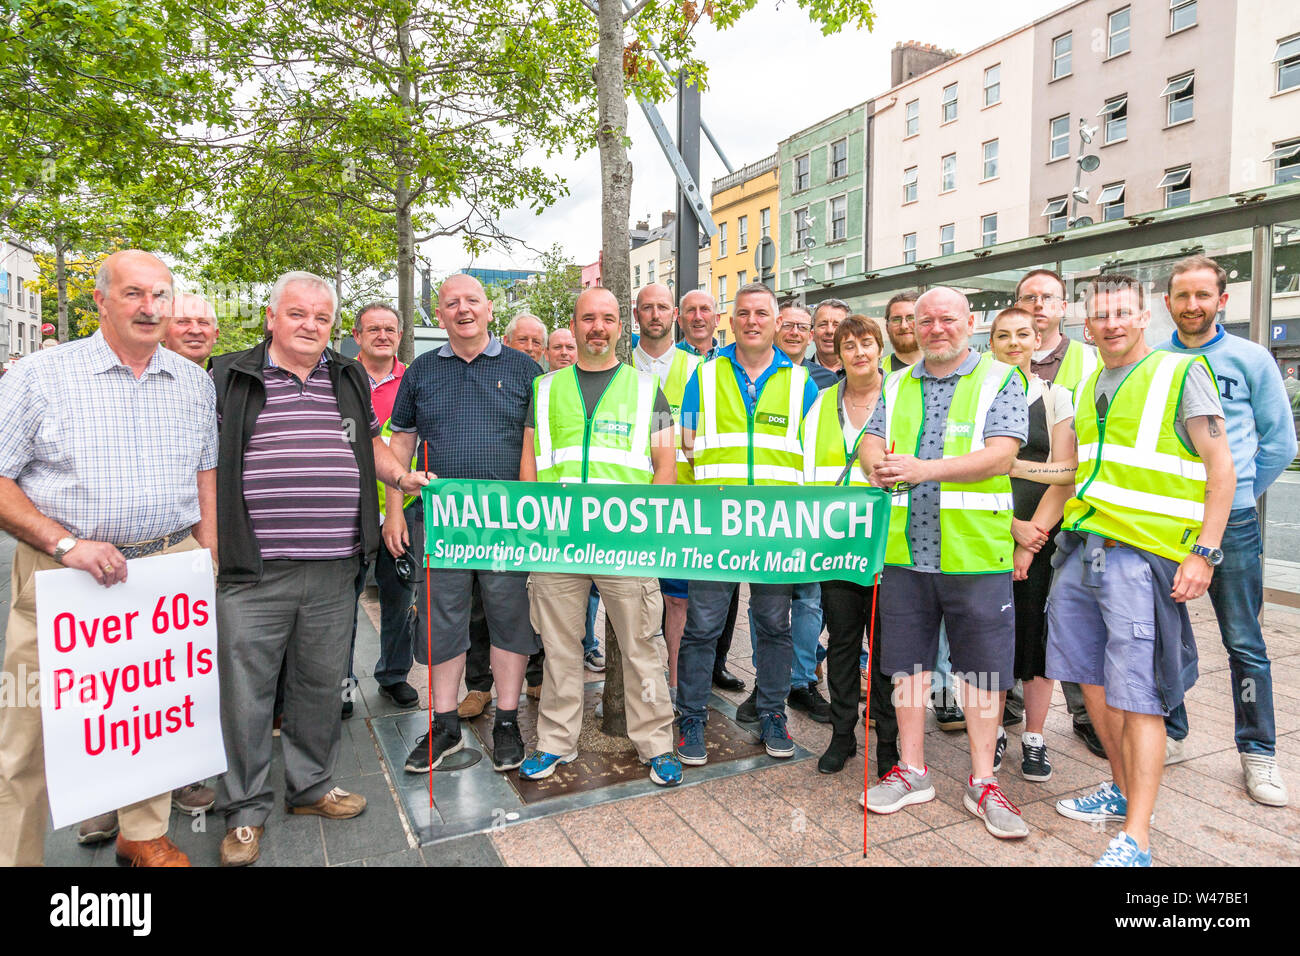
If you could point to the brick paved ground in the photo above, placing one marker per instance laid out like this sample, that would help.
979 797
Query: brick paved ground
792 815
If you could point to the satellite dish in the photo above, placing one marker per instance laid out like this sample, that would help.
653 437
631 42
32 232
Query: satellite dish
1089 163
809 242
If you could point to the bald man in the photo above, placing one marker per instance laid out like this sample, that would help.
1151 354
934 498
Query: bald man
103 496
192 331
461 410
561 349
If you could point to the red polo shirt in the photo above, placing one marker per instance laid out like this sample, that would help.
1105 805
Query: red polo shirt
384 393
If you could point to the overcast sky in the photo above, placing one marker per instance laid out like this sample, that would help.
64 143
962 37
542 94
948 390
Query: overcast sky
769 76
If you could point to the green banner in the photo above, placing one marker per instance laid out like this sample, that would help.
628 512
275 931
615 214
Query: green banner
765 535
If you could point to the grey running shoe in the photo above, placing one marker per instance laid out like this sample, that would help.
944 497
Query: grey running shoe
899 788
1001 817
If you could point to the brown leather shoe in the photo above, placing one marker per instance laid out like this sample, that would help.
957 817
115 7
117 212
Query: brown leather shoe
194 799
534 691
338 804
474 703
241 846
98 829
159 852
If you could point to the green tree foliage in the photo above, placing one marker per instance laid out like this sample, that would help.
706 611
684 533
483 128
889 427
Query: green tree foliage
551 293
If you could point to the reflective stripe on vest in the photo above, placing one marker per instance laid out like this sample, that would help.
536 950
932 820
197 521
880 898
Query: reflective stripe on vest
1137 482
609 446
1077 365
679 373
825 453
974 517
387 433
734 448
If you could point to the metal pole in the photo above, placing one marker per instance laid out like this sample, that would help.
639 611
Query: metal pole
688 206
1261 320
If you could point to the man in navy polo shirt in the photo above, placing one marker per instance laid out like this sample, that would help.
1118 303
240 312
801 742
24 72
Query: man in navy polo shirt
466 404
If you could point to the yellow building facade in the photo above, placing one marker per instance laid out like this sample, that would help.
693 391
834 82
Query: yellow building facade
745 207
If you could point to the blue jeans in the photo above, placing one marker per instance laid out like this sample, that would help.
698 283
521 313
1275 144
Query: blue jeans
396 615
1237 593
805 629
706 614
589 638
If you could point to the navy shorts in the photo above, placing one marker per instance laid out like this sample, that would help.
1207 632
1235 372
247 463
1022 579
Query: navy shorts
673 587
977 609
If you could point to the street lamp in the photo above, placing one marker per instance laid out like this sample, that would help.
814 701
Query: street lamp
1083 163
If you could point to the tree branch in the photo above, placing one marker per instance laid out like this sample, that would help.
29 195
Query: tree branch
635 9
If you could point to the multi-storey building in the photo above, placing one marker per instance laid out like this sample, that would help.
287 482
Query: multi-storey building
823 203
746 210
651 258
20 306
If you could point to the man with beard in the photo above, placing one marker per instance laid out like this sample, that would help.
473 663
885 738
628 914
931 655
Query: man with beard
900 326
1262 440
606 423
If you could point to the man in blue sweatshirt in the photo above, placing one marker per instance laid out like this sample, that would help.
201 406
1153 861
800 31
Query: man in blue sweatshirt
1262 438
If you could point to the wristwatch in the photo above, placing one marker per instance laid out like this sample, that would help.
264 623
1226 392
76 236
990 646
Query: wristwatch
1212 556
62 547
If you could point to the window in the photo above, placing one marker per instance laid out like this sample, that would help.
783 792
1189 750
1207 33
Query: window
1115 115
799 277
22 334
1061 48
742 233
948 105
909 184
741 278
765 222
839 218
836 267
1182 14
1286 162
1117 32
650 271
1055 213
989 230
1180 92
1111 202
20 291
1060 146
722 239
1177 184
909 247
722 292
912 118
1287 59
993 85
636 276
948 175
801 176
991 159
946 242
802 232
839 158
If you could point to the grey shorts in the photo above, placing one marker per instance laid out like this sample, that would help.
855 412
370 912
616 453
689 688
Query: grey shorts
979 615
505 606
1106 636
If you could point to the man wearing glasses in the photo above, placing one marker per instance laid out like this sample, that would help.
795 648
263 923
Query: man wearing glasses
793 333
900 326
1061 361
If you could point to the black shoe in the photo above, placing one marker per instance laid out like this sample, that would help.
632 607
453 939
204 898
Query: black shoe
886 758
1034 764
999 750
1088 734
747 712
841 748
1012 715
949 717
725 680
507 746
810 700
424 758
402 694
347 709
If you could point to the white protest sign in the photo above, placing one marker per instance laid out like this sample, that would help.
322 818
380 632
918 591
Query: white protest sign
129 691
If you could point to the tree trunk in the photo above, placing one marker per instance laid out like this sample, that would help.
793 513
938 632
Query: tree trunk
61 285
405 229
615 201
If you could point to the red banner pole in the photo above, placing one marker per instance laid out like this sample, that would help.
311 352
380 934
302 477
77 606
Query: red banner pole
871 665
428 621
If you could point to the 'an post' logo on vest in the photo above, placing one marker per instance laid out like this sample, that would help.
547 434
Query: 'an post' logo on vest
602 427
958 429
767 418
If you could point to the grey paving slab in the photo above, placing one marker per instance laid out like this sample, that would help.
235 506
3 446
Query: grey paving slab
409 857
375 832
473 850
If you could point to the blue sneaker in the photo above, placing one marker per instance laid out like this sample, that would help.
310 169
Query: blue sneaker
773 734
541 765
1104 805
1123 851
690 742
665 770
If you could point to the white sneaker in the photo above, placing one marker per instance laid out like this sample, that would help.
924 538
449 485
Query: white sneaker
1263 780
1174 751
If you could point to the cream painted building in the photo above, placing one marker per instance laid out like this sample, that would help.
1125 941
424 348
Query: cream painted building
745 208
